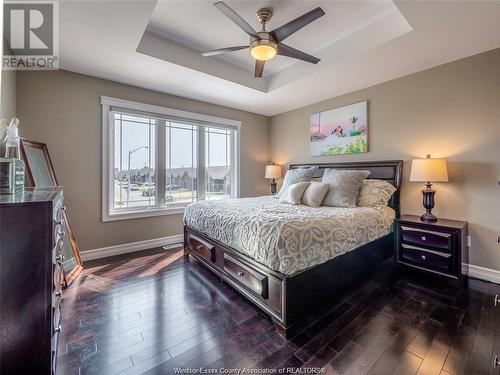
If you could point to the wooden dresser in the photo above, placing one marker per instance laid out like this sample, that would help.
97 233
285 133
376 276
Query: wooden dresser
31 280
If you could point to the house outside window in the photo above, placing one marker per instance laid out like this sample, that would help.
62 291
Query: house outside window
156 160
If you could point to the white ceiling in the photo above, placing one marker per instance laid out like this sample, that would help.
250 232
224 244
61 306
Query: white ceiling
156 45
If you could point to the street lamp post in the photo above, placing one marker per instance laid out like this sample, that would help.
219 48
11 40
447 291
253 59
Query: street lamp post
130 152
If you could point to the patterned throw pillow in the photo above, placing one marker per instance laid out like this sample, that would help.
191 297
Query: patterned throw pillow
294 176
344 186
375 193
315 193
293 194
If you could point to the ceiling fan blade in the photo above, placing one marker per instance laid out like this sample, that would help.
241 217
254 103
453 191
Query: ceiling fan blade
285 50
224 8
222 50
259 68
283 32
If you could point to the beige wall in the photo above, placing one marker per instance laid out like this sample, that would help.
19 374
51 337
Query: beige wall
7 92
62 109
452 111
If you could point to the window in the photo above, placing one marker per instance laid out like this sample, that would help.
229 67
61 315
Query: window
156 160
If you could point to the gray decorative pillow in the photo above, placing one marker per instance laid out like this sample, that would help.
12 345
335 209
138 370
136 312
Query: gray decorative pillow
294 176
315 193
344 186
375 193
293 193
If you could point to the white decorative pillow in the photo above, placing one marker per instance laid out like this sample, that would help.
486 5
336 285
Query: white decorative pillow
294 176
294 193
375 193
315 193
344 186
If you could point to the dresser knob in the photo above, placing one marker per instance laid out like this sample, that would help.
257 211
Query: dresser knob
240 273
60 259
496 362
497 300
58 328
58 293
423 257
423 238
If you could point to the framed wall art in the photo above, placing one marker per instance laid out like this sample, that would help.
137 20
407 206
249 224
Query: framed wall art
341 130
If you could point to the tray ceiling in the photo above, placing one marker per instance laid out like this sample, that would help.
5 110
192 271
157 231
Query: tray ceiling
179 31
156 44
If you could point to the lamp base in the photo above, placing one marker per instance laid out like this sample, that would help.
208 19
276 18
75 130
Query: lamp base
428 202
273 187
428 217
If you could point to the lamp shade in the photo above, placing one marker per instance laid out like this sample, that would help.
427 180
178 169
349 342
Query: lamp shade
429 170
273 171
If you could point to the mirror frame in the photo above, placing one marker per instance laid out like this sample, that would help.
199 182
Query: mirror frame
70 276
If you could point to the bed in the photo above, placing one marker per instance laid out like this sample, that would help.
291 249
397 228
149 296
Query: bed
290 259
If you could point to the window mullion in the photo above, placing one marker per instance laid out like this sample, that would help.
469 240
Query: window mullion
161 162
200 170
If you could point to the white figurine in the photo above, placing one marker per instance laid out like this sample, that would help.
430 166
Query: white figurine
2 136
12 139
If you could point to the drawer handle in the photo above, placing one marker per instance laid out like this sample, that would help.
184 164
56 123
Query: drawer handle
60 258
199 247
58 293
58 328
62 283
423 238
496 362
423 257
497 300
240 274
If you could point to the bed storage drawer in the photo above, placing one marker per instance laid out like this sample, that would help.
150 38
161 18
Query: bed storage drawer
202 248
246 276
438 240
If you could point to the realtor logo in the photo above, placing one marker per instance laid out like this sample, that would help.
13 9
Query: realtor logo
31 35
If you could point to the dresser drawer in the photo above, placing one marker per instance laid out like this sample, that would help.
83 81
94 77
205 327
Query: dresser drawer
54 344
58 210
438 240
202 248
427 258
246 276
58 276
56 318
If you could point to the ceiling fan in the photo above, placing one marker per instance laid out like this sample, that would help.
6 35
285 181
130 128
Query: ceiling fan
264 45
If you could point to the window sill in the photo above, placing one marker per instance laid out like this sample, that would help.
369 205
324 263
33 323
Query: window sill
127 215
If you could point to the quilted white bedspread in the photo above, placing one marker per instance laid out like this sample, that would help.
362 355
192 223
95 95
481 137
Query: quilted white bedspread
287 238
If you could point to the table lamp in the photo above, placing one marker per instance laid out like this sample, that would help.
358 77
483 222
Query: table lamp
428 170
273 172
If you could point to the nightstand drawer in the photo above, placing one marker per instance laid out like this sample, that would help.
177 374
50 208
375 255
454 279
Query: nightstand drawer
427 258
438 240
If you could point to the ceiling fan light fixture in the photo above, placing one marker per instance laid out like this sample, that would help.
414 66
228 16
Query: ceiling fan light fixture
263 49
263 52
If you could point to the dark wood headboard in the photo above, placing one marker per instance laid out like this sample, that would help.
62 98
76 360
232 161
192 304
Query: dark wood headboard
389 170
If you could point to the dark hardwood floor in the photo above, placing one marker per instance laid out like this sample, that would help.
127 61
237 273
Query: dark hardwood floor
159 311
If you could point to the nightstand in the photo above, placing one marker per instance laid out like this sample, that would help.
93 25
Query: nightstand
439 248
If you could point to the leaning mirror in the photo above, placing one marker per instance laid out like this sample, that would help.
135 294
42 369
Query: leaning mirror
40 173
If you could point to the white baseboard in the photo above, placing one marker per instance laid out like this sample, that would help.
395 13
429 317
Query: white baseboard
481 273
104 252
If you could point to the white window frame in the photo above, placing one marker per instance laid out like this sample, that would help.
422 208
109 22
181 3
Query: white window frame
108 214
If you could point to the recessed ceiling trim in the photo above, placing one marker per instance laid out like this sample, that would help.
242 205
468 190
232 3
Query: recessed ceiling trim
156 46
